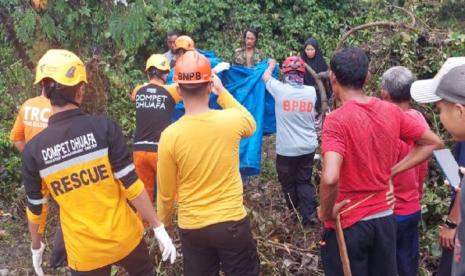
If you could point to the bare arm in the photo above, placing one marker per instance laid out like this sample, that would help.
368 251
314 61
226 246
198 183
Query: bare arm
132 95
454 214
269 71
332 162
20 145
145 209
446 234
422 151
36 238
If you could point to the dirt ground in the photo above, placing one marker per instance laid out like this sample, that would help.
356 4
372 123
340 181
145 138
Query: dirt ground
15 241
284 246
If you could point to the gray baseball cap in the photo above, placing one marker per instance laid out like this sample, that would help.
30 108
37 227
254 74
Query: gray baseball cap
448 84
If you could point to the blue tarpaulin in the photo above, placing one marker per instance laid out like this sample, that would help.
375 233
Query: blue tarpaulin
247 86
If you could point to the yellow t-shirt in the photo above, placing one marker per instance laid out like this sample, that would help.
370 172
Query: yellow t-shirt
199 161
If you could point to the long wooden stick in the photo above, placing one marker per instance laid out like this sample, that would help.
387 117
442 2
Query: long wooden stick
321 88
341 243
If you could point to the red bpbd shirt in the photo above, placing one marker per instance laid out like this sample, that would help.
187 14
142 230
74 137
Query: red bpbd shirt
408 186
367 136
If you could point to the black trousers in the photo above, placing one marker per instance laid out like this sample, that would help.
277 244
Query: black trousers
228 245
137 263
58 257
295 176
371 246
445 263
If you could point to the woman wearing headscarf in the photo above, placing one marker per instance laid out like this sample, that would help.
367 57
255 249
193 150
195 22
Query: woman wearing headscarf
313 56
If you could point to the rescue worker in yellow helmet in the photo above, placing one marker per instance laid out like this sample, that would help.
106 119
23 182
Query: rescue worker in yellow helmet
185 44
86 166
155 103
32 118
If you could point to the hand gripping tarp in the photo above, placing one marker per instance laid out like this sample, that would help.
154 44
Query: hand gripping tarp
247 86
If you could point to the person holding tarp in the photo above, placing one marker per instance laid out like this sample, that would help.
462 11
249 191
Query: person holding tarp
247 87
296 138
199 162
360 149
447 91
84 162
248 55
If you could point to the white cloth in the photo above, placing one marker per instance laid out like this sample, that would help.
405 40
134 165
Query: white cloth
124 2
220 67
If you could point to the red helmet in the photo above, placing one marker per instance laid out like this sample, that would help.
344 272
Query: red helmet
293 63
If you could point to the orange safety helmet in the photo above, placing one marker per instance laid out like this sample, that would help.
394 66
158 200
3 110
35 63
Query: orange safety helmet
191 68
184 42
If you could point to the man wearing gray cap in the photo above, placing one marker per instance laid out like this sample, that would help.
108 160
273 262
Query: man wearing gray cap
447 90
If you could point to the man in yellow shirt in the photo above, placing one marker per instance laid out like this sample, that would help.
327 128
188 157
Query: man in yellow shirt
199 162
85 165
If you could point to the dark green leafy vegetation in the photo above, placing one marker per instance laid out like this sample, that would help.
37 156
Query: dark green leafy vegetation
114 41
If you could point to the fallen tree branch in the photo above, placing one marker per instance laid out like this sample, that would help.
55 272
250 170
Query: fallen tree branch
289 248
384 24
321 88
412 16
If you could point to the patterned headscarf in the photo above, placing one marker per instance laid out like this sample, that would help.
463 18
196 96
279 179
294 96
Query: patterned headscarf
294 78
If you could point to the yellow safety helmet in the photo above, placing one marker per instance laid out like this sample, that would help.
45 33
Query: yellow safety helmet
62 66
184 42
158 61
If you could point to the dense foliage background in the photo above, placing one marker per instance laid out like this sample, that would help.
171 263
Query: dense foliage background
114 41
